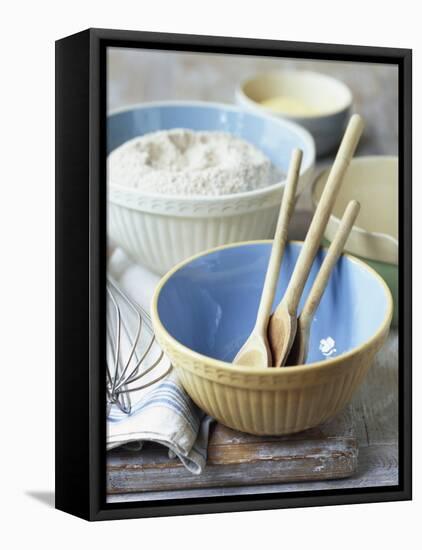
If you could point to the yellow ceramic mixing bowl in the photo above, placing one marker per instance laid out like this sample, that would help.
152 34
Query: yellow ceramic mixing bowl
204 309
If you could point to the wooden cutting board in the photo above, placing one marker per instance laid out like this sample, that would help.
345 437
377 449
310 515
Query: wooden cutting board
329 451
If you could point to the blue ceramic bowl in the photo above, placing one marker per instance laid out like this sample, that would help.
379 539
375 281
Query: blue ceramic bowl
160 230
275 138
210 304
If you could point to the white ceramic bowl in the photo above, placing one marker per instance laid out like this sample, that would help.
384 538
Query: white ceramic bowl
329 98
160 231
373 181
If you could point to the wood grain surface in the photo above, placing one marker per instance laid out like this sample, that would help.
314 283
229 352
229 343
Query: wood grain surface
329 451
136 76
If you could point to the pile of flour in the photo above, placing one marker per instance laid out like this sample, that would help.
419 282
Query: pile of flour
184 162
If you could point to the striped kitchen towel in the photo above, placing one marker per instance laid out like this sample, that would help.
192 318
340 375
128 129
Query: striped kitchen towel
163 413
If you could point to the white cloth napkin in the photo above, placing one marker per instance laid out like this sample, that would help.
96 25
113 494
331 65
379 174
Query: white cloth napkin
163 412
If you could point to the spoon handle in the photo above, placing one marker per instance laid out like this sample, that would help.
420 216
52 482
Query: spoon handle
279 242
322 213
330 260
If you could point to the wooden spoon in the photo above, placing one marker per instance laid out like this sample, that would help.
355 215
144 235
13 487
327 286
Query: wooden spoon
299 351
283 323
255 352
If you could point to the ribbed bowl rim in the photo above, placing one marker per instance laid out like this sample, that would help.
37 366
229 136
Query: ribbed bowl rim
253 371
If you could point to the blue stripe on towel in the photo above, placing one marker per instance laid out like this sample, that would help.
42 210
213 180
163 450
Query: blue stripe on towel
169 403
177 393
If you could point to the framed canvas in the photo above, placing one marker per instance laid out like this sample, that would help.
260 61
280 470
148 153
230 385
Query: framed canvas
181 162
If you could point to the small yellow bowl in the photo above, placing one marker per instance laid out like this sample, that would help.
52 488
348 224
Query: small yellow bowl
318 102
198 303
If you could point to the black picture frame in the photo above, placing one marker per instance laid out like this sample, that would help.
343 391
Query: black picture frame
81 268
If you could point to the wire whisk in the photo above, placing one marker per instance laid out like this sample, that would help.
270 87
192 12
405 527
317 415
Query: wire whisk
135 361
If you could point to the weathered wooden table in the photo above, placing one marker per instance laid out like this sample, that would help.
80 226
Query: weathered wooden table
136 76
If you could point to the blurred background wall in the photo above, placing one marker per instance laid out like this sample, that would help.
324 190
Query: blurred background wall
136 75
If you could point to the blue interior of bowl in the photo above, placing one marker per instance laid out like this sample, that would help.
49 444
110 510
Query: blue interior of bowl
273 137
210 304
